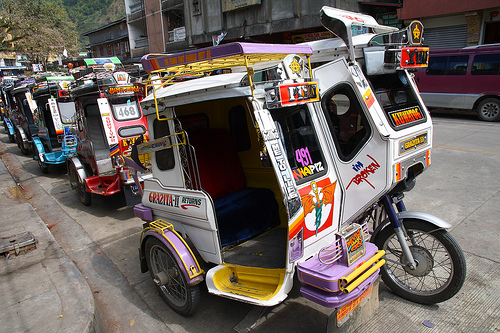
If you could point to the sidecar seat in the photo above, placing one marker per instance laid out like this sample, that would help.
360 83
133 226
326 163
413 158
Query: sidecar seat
242 212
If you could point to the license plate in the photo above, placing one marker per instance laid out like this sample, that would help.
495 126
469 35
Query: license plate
414 57
349 307
412 143
354 241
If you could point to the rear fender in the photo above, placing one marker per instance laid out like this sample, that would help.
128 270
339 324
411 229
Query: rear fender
78 166
434 220
185 258
22 135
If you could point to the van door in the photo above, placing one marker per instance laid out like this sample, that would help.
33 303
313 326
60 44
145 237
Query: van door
357 134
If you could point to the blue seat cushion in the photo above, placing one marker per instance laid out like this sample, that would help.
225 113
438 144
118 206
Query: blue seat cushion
246 213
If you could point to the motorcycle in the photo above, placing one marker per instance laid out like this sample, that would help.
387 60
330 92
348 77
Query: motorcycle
296 164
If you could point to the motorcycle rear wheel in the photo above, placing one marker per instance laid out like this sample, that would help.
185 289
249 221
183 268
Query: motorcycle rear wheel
440 270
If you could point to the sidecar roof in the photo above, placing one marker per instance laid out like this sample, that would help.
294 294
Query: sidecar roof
207 88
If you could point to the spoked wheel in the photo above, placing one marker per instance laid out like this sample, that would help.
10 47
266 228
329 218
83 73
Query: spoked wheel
169 279
440 270
79 185
44 167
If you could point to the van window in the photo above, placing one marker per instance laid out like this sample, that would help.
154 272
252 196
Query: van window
165 157
300 142
448 65
348 124
486 64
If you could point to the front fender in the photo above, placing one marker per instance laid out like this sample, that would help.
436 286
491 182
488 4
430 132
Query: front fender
178 247
10 126
434 220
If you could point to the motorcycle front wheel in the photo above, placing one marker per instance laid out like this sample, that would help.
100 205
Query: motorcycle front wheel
440 263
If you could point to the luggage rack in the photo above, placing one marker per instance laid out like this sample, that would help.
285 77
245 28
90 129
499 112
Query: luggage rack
207 60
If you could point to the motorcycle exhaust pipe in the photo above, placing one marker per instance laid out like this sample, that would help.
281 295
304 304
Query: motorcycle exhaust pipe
351 281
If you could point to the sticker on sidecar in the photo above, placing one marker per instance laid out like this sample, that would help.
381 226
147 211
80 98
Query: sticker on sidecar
178 202
406 116
412 143
355 242
349 307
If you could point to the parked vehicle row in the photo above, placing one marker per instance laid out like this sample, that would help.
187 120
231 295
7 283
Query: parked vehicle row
294 161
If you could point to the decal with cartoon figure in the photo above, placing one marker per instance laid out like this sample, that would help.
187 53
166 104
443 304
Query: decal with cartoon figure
316 197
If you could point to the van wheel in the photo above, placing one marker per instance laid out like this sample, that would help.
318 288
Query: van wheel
489 109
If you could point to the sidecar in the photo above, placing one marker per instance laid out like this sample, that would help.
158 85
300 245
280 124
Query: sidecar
108 121
55 119
8 107
25 126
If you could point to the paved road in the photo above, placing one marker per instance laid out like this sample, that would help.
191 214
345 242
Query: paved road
461 187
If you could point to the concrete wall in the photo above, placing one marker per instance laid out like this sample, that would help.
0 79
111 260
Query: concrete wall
271 16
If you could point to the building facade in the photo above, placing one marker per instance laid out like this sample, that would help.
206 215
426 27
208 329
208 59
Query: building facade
161 26
110 40
455 23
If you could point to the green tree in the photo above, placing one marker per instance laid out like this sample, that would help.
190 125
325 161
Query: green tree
38 28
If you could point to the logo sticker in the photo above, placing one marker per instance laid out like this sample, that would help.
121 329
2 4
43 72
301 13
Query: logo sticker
407 116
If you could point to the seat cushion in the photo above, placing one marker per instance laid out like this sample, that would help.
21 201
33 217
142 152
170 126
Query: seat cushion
218 162
245 214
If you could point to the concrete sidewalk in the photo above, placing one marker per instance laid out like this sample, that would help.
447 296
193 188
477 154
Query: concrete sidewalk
42 290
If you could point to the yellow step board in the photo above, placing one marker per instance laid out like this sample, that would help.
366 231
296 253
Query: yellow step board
259 283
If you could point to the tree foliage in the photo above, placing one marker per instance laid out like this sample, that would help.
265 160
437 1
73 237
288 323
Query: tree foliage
92 14
37 28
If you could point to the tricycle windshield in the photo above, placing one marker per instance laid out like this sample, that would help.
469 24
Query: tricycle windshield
125 108
300 142
398 99
67 111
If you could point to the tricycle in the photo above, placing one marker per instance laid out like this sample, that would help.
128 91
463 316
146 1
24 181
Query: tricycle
54 118
25 127
8 107
296 164
108 121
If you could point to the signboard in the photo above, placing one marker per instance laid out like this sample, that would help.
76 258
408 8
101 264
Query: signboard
123 90
179 34
228 5
308 37
37 67
390 19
